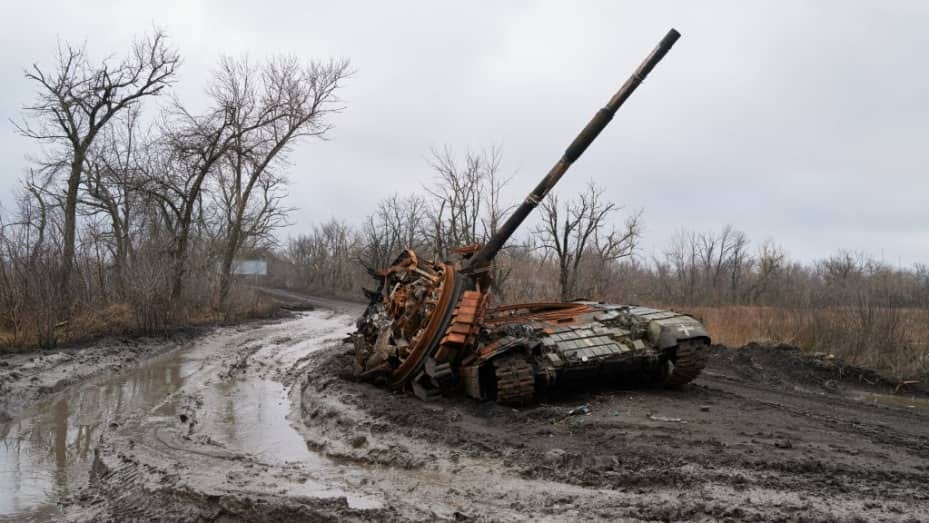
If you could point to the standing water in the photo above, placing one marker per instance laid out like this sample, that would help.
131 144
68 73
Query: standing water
46 452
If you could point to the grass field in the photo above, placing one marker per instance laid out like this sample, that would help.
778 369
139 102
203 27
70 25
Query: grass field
894 341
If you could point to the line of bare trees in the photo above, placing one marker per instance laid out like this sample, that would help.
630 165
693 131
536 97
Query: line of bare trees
141 203
585 246
463 205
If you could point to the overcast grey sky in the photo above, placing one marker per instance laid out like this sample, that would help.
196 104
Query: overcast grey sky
803 122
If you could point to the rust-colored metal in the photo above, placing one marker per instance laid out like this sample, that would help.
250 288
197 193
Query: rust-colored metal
467 249
467 319
541 311
421 345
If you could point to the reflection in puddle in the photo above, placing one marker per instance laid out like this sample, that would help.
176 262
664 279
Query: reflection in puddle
46 453
252 415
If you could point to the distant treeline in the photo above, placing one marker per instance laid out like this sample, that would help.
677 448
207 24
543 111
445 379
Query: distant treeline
859 308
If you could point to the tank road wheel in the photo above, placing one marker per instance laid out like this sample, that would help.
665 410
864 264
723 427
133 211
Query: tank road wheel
515 381
690 360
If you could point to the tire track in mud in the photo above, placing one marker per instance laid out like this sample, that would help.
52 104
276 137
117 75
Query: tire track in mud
889 453
855 411
221 446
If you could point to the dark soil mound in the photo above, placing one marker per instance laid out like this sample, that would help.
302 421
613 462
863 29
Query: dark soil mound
785 365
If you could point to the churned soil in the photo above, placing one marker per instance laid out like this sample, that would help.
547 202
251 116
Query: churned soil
765 433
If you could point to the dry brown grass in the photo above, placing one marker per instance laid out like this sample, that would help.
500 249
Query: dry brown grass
735 326
894 341
121 319
114 319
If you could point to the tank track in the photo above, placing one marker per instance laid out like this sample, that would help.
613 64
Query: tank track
515 381
691 359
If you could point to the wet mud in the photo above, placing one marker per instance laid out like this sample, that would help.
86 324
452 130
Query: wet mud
29 377
54 405
765 434
264 422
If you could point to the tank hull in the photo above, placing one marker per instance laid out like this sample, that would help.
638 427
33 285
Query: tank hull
511 353
582 343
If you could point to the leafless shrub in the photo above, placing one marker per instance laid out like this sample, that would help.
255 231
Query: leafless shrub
581 230
75 100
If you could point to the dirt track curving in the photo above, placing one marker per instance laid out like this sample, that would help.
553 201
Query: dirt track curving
264 422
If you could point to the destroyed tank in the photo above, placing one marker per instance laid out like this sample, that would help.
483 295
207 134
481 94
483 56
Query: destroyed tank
429 327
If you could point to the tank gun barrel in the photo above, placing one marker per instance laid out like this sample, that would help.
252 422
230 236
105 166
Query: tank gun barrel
599 121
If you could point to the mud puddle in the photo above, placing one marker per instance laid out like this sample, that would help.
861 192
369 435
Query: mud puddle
229 388
46 452
252 416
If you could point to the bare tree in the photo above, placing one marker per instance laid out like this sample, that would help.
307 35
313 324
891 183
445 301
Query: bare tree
271 107
112 184
495 211
718 254
324 259
467 205
740 263
771 261
29 267
175 177
457 196
76 100
577 228
682 257
398 223
35 213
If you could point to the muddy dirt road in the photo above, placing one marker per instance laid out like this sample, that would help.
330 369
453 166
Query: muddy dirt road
261 421
764 434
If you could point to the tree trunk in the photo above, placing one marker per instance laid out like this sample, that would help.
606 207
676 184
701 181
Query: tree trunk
121 253
225 277
180 262
183 236
564 281
70 226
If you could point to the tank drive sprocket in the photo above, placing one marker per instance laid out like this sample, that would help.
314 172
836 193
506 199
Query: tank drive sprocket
690 359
